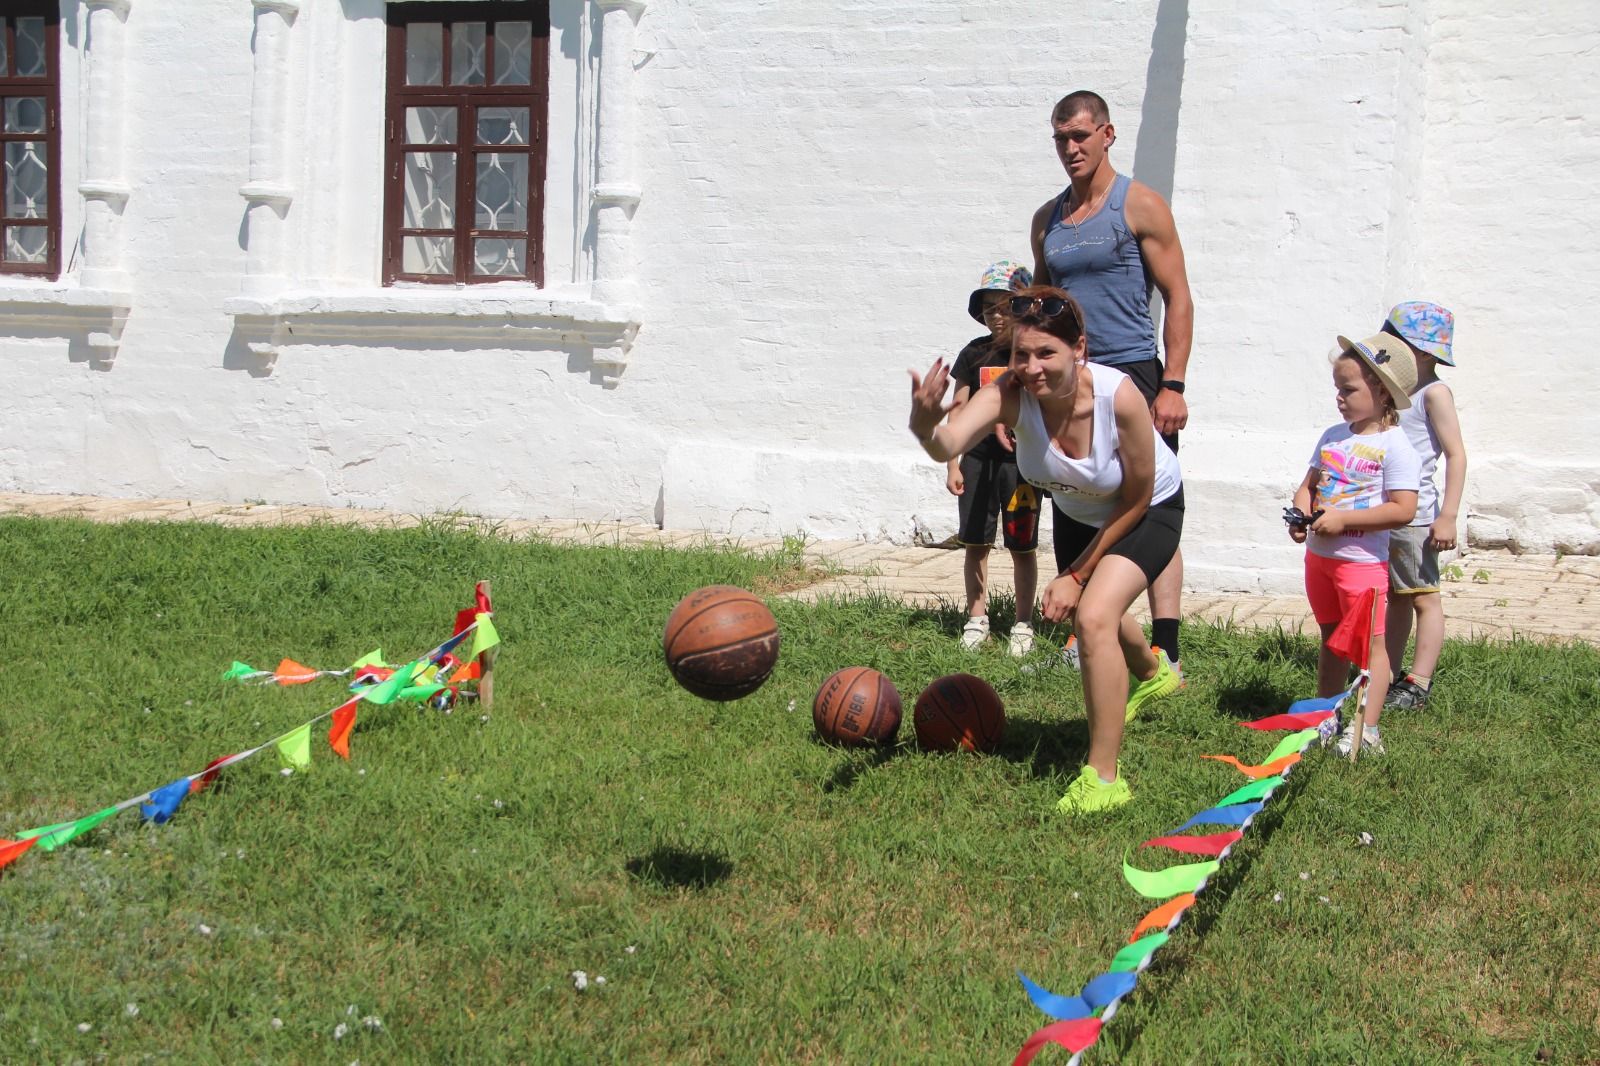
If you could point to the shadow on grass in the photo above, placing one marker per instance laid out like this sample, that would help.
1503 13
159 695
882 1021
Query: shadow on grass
1048 749
848 772
668 867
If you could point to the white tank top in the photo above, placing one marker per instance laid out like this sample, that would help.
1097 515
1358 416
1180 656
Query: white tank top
1425 442
1086 489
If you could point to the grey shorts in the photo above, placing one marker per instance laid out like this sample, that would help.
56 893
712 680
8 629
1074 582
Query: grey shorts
1413 566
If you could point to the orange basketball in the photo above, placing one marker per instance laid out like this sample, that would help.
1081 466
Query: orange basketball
721 642
959 711
857 706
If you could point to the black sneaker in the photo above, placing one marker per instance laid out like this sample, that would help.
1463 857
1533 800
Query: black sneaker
1405 695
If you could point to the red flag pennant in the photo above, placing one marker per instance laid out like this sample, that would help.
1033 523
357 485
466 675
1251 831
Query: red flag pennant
480 600
1074 1035
1297 721
1162 916
208 775
344 720
465 618
290 672
1352 640
1207 845
11 850
372 674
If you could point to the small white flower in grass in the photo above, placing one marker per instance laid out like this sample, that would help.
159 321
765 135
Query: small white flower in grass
276 1023
204 929
1304 876
372 1023
499 804
791 705
131 1010
1277 897
361 772
188 703
84 1027
600 979
580 980
631 949
483 718
239 854
340 1031
1074 895
350 1011
287 771
1323 899
1365 839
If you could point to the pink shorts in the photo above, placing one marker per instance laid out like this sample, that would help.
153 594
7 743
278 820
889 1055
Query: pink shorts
1334 585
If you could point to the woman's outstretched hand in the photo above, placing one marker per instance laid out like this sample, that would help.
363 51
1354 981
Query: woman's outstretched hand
927 400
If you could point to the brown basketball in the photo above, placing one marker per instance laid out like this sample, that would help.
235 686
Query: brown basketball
959 711
857 706
721 642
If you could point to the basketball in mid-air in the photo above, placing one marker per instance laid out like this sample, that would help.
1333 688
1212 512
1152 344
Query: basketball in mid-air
959 711
857 706
721 642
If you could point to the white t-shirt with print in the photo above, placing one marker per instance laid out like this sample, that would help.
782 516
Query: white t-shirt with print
1354 472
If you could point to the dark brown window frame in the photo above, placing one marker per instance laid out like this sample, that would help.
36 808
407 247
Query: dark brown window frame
466 99
48 86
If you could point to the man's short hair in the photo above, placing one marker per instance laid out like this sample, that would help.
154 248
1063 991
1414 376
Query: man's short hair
1081 102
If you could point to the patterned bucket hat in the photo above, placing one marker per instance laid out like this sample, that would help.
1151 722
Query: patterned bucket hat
1394 364
1425 326
1005 276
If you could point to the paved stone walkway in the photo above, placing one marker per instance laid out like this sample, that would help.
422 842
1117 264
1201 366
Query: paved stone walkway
1495 594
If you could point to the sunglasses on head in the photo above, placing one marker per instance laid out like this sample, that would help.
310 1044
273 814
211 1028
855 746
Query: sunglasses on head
1037 306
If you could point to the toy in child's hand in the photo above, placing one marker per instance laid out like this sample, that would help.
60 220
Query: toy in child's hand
1295 518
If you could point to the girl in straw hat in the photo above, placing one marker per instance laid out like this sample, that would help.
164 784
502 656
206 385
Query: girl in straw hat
1361 483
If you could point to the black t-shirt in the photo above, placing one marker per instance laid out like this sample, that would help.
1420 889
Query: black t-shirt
979 355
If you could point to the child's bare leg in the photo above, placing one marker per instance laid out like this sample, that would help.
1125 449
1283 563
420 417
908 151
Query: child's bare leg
1332 671
976 573
1430 635
1397 620
1378 687
1025 569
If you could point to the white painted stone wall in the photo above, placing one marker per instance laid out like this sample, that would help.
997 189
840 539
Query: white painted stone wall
818 187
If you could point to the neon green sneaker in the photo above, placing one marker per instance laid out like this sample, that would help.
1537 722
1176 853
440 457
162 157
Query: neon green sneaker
1165 683
1089 795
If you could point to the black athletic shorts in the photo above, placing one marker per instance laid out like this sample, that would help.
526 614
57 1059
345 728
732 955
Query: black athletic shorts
1146 375
1151 544
995 495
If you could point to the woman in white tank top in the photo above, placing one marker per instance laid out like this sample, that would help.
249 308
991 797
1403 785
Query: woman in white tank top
1084 433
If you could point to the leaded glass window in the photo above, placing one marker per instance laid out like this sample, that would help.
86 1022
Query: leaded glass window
30 143
466 141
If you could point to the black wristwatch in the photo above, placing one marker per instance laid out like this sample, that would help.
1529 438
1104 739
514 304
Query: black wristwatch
1173 386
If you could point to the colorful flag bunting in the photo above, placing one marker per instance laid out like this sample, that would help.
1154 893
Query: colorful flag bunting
295 748
387 691
465 618
419 693
1075 1036
1162 916
1291 744
484 637
344 720
208 775
480 600
1256 789
1351 640
164 801
372 658
1296 722
1173 881
239 669
11 850
1237 814
1054 1004
1212 845
1103 990
1319 703
51 837
469 671
1276 766
1131 957
290 672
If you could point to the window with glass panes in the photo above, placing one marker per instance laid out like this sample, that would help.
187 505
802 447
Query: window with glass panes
30 144
464 173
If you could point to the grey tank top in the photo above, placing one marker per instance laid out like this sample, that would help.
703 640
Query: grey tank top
1099 263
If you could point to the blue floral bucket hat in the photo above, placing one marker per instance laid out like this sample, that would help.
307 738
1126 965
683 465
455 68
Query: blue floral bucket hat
1005 276
1425 326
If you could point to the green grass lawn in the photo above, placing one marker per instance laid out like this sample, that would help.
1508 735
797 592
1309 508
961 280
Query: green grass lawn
748 894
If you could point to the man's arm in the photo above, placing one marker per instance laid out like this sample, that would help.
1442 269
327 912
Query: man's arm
1151 221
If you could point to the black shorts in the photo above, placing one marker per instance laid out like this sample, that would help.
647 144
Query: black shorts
1146 375
1151 544
995 495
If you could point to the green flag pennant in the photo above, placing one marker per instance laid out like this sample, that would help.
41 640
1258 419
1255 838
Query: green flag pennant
484 637
388 691
1173 881
419 693
1291 744
1130 957
1254 790
52 837
372 658
238 669
295 748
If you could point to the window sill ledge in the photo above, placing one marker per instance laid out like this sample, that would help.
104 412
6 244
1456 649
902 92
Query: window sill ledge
65 307
484 315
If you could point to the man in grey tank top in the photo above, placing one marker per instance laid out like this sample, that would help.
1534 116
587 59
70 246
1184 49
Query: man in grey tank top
1108 240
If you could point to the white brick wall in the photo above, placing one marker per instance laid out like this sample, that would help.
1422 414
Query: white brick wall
822 185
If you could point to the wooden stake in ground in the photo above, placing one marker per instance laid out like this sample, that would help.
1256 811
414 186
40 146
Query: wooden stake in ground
486 662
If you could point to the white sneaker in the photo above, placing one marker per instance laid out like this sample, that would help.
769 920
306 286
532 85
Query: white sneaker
1021 642
1069 653
1371 743
975 632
